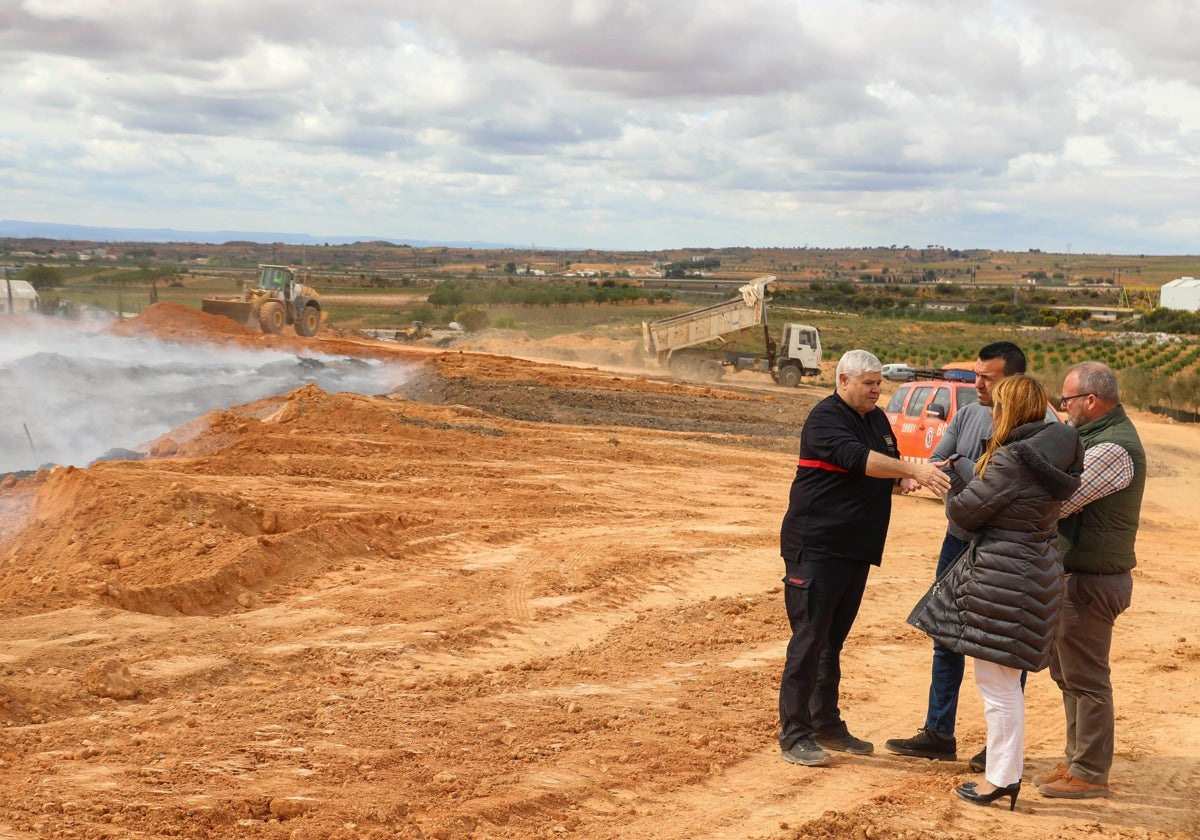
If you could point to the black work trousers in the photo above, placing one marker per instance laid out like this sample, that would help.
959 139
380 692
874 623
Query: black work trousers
822 600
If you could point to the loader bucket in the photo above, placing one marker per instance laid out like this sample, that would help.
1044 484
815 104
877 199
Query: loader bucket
238 310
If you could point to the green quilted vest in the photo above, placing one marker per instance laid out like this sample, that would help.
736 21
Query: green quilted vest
1100 537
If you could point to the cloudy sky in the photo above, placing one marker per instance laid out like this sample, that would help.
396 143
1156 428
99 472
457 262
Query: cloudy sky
1062 125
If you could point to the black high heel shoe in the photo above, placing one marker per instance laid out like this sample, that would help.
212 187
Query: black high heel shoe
968 793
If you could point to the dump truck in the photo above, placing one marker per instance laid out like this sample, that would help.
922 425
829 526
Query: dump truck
279 299
685 343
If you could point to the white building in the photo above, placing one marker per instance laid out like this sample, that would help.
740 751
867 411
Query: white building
1181 293
18 296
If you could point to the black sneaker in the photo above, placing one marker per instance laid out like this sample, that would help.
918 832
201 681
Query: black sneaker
978 762
806 752
846 743
925 744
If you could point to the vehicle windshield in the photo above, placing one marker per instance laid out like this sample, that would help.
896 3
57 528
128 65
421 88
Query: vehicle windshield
272 278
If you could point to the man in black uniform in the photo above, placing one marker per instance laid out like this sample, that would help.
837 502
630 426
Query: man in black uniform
833 532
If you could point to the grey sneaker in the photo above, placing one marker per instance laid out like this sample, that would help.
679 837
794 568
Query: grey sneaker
925 744
806 752
846 743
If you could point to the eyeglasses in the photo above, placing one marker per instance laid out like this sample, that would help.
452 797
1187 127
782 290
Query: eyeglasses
1065 400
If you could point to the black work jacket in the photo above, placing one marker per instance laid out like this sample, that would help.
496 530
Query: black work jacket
835 510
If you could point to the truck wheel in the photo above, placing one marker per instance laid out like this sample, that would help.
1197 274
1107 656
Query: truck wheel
711 370
683 367
271 317
309 322
789 377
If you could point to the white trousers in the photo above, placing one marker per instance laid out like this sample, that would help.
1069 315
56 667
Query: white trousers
1004 711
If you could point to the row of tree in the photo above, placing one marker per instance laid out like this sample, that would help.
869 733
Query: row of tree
43 277
455 293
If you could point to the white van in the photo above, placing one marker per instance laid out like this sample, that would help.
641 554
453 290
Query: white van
899 373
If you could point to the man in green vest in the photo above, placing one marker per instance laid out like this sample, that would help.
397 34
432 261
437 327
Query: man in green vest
1095 536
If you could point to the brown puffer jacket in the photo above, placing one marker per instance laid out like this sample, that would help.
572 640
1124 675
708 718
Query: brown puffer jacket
1001 602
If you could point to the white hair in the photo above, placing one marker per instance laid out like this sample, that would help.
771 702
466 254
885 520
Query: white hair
854 363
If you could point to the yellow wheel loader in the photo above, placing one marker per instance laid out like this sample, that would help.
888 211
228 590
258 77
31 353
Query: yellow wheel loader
279 299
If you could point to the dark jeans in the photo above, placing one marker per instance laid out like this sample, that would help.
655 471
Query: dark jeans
822 601
947 672
947 675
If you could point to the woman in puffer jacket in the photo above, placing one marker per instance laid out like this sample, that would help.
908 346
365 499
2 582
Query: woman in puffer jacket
999 604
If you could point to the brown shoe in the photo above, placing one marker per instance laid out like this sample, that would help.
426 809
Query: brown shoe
1059 772
1069 787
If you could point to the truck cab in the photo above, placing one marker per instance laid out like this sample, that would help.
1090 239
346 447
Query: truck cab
799 355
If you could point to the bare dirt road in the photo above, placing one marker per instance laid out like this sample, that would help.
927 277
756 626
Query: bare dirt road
508 599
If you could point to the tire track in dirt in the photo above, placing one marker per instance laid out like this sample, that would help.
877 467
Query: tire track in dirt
568 623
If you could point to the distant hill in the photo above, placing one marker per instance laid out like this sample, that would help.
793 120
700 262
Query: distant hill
15 229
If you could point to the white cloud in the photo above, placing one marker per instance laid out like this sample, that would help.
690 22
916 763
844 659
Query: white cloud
610 123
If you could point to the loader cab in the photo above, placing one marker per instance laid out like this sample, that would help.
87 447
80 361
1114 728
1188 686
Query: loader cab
276 278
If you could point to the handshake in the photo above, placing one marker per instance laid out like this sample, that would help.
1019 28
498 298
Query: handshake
929 475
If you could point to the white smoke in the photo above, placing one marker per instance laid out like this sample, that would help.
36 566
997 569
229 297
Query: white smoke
69 394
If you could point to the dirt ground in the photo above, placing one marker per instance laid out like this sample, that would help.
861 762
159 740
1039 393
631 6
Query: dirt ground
511 598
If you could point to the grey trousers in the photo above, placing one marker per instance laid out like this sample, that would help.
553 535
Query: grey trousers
1079 664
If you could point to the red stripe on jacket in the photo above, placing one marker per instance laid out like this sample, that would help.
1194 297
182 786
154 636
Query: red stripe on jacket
820 465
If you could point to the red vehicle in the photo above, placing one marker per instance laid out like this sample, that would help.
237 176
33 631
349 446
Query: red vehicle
920 411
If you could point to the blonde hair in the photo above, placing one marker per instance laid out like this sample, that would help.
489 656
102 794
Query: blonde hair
1016 400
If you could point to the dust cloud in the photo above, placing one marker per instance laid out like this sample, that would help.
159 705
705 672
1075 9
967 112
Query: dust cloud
71 397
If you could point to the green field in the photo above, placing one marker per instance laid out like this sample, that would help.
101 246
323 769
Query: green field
1152 374
134 295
